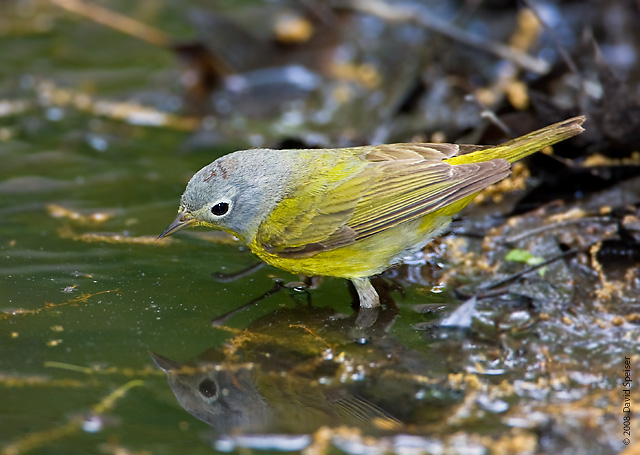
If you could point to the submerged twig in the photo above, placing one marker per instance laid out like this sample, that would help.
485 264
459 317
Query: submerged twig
80 299
278 285
533 268
230 277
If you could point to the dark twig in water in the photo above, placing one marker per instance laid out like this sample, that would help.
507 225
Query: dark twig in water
230 277
533 268
410 13
225 317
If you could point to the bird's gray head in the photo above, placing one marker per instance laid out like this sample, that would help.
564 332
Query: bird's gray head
234 193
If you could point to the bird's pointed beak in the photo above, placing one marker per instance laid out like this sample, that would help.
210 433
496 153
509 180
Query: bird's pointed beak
180 222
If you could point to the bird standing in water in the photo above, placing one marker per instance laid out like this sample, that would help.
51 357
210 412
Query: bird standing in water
349 212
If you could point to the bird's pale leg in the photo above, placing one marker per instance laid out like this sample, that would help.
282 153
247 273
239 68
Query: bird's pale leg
369 302
366 293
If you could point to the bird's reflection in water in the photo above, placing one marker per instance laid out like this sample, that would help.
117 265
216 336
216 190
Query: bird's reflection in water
300 369
245 399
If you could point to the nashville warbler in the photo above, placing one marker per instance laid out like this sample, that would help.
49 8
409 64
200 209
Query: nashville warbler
348 212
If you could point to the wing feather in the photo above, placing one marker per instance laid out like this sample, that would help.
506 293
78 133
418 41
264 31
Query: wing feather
441 186
423 200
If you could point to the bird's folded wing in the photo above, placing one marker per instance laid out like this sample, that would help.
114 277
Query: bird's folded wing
394 184
409 193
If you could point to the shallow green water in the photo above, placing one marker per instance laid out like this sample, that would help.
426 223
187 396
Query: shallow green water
94 304
159 298
86 294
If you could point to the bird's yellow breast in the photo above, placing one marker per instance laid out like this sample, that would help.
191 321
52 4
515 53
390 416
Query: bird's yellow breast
368 256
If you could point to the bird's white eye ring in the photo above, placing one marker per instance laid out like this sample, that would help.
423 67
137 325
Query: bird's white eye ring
219 209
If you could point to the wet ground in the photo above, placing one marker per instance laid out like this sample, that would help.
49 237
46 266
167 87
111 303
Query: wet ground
516 332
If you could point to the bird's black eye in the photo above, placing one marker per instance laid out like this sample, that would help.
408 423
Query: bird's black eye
220 208
208 388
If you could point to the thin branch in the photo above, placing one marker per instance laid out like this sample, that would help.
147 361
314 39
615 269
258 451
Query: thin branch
533 268
411 14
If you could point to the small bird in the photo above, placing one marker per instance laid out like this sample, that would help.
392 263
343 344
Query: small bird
349 212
